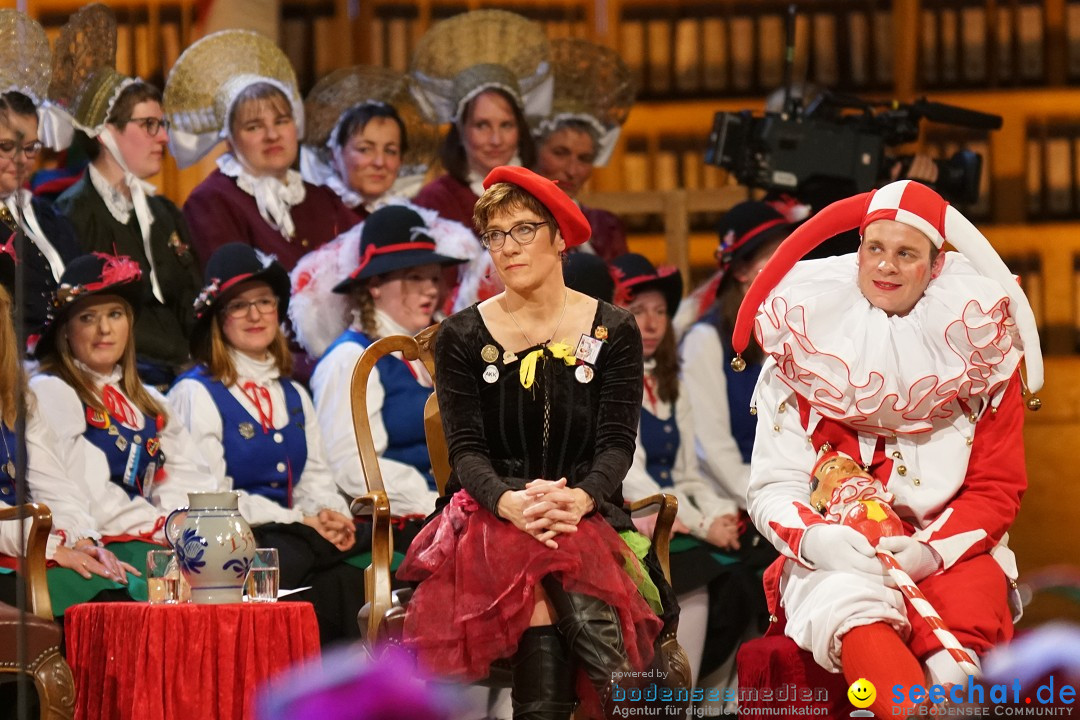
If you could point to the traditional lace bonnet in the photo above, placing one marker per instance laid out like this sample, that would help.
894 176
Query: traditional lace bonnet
84 83
347 88
461 57
592 85
206 80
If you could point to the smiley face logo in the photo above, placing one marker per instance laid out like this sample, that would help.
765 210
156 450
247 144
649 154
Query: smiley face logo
862 693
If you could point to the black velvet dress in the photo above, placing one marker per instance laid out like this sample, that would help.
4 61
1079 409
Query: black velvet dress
477 572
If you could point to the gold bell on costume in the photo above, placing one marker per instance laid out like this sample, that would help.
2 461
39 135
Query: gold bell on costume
593 86
461 57
345 89
206 80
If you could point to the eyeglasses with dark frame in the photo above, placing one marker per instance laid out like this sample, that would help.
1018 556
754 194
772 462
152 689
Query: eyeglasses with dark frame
523 234
9 148
152 125
240 308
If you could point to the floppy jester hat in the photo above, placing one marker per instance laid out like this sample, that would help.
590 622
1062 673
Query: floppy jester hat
913 204
572 224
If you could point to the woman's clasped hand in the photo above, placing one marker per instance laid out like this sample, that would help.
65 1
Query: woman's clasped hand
546 508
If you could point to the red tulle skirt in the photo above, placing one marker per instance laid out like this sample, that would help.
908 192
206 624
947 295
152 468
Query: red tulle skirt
477 577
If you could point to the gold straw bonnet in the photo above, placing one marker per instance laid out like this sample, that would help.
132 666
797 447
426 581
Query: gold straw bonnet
349 87
592 85
25 57
207 78
84 82
462 56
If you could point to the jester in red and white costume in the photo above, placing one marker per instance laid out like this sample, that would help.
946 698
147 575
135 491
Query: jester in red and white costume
906 358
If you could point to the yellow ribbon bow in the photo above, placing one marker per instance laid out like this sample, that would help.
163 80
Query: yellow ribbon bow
559 351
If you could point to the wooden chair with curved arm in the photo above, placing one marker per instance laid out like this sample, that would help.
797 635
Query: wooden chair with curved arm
44 664
382 617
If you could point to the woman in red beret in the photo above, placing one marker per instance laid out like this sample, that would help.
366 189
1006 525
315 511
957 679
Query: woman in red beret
540 390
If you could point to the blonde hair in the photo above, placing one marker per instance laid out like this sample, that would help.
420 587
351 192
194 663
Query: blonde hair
213 351
12 377
364 304
61 362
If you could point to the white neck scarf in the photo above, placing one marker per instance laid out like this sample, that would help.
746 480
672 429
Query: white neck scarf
18 203
264 372
140 190
274 198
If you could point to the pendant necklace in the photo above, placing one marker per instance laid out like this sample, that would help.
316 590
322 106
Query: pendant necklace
555 330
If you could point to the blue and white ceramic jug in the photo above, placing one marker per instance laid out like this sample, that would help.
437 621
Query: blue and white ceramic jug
214 546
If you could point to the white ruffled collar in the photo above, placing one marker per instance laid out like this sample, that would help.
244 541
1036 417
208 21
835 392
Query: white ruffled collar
101 380
262 372
274 198
889 374
116 201
475 180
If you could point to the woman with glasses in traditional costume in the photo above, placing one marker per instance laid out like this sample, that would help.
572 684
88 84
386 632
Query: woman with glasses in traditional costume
483 72
258 431
238 86
50 238
594 91
366 138
129 463
113 207
85 569
540 391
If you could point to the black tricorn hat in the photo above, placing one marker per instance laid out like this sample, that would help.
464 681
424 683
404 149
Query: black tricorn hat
634 273
230 266
394 237
88 276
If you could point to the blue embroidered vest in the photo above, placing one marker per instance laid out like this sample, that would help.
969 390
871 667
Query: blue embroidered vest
740 391
403 408
130 453
264 463
660 438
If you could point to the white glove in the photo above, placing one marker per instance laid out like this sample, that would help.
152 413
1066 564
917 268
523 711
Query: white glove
839 547
917 558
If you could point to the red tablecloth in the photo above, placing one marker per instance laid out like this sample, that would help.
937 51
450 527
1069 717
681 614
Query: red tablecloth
135 661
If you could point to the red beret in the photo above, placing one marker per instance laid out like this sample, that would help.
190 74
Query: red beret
572 223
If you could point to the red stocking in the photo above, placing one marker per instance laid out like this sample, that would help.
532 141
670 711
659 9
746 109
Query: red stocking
877 653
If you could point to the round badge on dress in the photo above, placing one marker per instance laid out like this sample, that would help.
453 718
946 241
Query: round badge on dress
491 374
489 353
247 430
584 374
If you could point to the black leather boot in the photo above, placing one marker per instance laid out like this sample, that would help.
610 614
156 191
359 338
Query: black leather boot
593 633
543 676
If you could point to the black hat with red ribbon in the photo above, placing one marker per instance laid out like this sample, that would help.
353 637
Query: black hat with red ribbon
229 267
95 274
634 274
746 227
393 237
